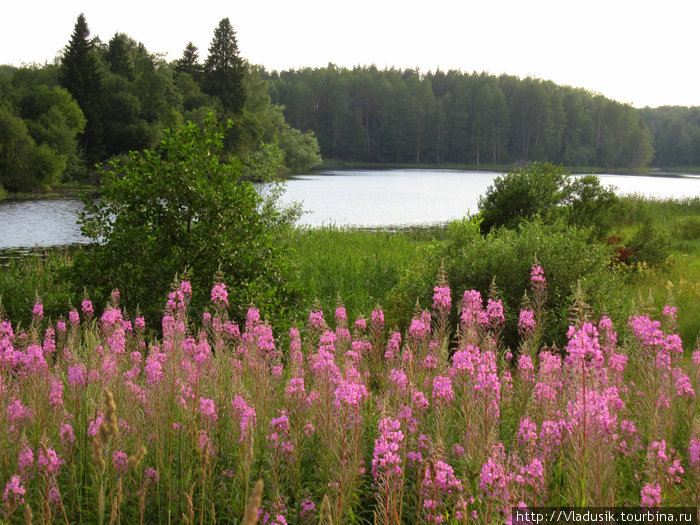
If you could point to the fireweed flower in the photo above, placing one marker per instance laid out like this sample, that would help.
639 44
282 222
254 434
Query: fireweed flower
316 321
74 317
694 454
14 492
208 409
278 438
38 311
399 379
308 508
377 318
527 434
25 461
442 300
494 312
651 495
537 280
245 414
87 309
120 461
18 414
349 393
66 434
151 475
295 389
442 390
419 328
219 295
341 314
393 346
56 395
386 461
526 323
671 312
472 309
77 376
49 461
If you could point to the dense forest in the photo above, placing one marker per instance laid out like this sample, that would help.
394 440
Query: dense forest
101 100
371 115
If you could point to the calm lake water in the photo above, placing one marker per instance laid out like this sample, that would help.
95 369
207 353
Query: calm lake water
366 198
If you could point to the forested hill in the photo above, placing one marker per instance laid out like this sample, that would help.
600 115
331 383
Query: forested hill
394 116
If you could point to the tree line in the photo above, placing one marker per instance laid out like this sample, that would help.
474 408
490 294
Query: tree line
102 100
404 116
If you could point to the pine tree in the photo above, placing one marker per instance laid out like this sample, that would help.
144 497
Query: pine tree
80 75
224 70
189 63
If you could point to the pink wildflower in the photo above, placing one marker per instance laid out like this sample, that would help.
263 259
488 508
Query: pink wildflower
442 390
14 492
219 295
442 300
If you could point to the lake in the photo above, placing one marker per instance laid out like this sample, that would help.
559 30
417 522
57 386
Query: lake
365 198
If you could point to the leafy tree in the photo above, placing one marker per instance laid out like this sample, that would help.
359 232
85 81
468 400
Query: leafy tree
24 165
80 75
224 71
54 118
180 208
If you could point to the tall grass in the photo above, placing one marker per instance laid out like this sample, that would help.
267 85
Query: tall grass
360 265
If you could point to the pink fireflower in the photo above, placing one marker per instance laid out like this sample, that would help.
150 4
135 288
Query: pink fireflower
526 323
219 295
442 300
386 461
442 390
14 492
208 409
537 280
38 311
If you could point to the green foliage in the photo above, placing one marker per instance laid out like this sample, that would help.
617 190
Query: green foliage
548 191
180 209
473 261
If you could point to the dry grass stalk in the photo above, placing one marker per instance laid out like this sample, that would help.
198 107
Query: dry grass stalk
251 510
135 460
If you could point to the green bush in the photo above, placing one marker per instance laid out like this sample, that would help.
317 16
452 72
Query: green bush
181 209
472 261
548 191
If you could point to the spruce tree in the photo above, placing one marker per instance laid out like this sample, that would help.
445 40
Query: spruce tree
119 57
80 75
224 70
189 63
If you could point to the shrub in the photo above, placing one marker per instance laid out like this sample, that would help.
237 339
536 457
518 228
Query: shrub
473 261
551 192
181 209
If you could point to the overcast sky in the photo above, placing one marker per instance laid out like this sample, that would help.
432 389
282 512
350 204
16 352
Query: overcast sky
640 52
